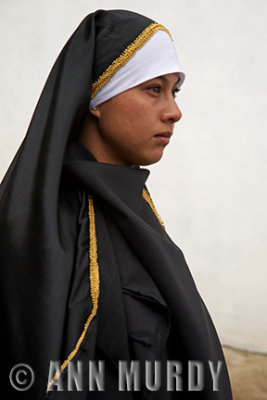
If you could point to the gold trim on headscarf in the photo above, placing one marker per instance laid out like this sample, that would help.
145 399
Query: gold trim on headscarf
126 55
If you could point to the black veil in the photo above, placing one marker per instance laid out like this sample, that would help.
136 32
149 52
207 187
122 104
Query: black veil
39 227
36 264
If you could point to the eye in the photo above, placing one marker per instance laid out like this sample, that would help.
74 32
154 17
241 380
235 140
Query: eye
155 89
175 92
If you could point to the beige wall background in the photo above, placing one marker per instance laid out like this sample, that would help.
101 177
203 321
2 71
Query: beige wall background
210 187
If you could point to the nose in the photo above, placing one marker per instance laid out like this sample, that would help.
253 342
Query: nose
171 112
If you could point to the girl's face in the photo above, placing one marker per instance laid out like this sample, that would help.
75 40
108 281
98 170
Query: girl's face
136 125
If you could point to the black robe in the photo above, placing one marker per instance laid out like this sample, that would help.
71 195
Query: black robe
149 307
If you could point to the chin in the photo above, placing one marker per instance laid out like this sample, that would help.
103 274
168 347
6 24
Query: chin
151 159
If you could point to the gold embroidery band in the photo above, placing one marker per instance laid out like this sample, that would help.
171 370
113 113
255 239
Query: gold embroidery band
94 287
94 278
150 202
126 55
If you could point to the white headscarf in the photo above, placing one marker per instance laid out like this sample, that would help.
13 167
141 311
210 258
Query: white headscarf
156 58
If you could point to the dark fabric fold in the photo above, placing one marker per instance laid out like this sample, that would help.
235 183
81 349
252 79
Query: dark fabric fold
163 261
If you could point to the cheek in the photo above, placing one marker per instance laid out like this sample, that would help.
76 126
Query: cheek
142 121
136 114
129 120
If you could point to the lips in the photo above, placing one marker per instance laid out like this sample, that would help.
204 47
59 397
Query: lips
163 137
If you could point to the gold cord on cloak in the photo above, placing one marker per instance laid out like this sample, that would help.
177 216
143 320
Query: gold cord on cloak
94 278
